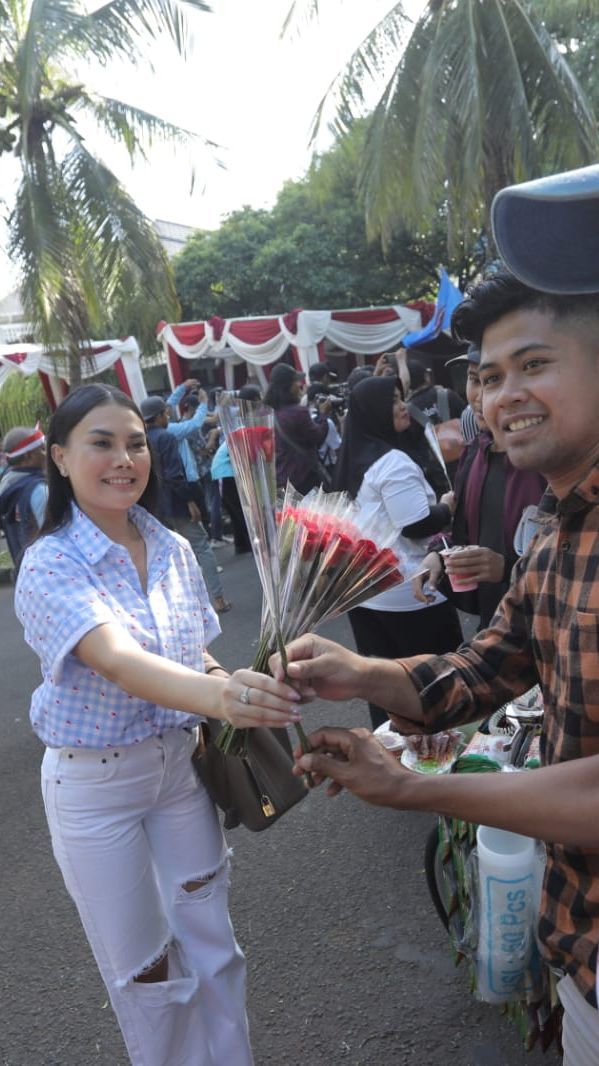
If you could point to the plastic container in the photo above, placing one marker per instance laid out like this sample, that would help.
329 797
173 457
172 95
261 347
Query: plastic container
393 742
508 888
459 582
435 754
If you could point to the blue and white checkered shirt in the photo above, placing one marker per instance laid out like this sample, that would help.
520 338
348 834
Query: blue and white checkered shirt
76 579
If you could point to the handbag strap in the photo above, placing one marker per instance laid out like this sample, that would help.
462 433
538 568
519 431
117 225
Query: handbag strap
306 452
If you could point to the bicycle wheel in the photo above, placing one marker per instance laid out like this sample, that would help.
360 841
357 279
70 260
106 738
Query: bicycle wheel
433 869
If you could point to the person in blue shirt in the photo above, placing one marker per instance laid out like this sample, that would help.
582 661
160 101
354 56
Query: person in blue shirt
222 471
189 522
192 401
114 605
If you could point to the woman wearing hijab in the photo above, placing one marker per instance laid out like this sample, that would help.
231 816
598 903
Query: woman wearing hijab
375 469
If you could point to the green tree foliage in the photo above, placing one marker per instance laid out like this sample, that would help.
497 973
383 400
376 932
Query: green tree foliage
310 251
479 96
22 402
76 235
575 26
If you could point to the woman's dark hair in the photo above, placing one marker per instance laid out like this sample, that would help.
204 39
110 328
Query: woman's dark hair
278 394
66 416
501 294
250 392
417 373
359 373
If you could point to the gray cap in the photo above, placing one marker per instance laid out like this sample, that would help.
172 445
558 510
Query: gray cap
547 231
471 356
318 371
152 406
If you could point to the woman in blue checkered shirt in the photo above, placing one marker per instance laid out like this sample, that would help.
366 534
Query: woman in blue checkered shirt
114 605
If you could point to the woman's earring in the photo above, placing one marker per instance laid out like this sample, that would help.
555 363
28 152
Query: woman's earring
63 471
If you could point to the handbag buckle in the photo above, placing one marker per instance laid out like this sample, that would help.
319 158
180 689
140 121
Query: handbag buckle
268 809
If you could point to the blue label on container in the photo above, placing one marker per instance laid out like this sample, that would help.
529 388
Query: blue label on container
508 913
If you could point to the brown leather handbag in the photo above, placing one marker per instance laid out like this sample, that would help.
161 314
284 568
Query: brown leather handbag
255 787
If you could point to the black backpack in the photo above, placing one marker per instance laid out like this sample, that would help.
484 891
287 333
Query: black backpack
16 517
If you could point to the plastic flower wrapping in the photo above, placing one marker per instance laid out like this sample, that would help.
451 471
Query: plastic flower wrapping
316 556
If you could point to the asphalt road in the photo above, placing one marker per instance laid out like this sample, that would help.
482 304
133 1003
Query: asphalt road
347 963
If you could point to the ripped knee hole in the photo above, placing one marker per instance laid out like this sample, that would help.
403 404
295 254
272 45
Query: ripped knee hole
155 971
201 882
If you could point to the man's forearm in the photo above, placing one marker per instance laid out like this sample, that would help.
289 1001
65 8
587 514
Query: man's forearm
543 803
388 685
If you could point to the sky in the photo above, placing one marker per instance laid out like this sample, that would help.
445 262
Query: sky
242 87
252 93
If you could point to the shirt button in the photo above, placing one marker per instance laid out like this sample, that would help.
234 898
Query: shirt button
103 760
566 546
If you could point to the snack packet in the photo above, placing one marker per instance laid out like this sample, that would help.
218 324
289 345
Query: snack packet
434 754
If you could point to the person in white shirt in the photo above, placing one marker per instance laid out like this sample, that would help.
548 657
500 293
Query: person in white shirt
384 480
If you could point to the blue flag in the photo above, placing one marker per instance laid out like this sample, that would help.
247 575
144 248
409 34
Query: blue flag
448 298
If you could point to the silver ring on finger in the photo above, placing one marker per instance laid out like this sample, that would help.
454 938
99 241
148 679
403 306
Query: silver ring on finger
245 696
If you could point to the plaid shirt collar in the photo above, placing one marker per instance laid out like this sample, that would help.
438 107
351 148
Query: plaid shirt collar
584 495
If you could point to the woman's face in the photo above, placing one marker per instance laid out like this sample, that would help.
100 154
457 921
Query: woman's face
401 415
297 389
107 460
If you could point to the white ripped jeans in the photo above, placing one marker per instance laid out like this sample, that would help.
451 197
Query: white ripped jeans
130 827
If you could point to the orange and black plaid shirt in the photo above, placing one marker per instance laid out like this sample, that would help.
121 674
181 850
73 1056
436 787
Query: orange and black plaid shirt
545 631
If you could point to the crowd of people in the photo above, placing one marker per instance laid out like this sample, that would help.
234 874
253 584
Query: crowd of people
117 542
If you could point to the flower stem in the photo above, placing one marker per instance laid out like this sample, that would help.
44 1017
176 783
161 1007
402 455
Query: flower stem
301 736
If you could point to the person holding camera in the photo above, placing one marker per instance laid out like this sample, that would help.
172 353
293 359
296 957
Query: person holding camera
320 400
297 435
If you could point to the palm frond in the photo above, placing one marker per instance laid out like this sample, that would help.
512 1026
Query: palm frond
480 97
386 174
300 13
39 242
119 231
570 130
346 91
550 9
123 22
136 128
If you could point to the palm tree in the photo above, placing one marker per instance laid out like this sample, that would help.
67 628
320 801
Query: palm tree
478 96
75 233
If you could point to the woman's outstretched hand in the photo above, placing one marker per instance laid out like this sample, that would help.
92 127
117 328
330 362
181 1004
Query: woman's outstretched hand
252 699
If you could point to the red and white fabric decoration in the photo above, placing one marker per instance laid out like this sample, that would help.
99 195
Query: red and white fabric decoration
261 341
123 355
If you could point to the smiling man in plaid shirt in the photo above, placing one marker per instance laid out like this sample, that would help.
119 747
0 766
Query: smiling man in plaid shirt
540 374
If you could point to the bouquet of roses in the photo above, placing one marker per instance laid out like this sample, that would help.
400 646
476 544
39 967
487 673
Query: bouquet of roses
316 556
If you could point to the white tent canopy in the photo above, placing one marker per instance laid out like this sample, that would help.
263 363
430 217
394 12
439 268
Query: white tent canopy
28 359
261 341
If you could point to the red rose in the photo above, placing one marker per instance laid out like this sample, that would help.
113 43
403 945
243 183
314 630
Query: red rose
310 544
342 547
366 549
388 582
385 561
254 441
267 442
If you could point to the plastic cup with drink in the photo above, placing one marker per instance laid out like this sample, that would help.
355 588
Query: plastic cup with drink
460 580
